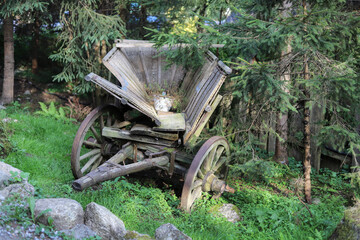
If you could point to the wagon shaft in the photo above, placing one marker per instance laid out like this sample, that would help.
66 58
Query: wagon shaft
110 170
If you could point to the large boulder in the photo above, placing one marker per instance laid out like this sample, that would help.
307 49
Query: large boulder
8 169
349 228
170 232
4 179
80 231
104 222
22 190
65 213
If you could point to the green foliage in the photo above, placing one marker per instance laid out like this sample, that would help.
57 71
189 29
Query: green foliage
265 213
260 170
5 143
15 7
17 177
85 34
51 111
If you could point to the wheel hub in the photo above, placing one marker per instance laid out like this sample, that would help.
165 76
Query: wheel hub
214 184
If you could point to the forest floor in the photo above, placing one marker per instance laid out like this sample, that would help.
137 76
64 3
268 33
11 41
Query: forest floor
268 195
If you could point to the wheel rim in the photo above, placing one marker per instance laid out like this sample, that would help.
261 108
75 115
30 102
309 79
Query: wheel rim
209 164
88 147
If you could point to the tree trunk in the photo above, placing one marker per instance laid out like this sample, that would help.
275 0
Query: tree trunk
35 47
281 154
8 84
307 132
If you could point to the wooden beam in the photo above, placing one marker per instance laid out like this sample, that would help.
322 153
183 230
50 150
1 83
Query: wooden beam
110 170
124 134
140 129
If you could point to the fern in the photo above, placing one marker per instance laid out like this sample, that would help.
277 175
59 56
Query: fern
51 111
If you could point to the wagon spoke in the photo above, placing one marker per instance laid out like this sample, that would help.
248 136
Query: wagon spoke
200 174
96 164
195 195
219 151
96 134
89 154
92 144
220 162
197 184
91 161
209 160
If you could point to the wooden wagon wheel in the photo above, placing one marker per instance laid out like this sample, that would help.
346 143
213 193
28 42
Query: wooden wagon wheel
90 148
207 172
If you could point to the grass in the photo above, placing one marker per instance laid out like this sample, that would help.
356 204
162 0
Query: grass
42 147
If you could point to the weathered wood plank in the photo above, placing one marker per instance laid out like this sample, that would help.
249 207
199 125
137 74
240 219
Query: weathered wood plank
140 129
196 131
171 123
124 134
116 91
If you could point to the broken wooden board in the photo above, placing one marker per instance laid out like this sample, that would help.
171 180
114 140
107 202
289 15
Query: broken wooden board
128 97
196 131
140 129
171 123
111 132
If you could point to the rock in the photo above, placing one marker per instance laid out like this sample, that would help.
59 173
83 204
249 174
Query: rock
349 228
316 201
2 107
230 212
80 231
4 179
133 235
27 92
104 222
170 232
7 169
23 190
65 213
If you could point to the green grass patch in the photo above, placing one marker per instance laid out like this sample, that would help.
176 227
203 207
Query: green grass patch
42 147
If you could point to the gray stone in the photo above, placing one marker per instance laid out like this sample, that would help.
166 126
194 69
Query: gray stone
104 222
230 212
170 232
23 190
80 231
316 201
65 213
7 169
4 179
27 92
133 235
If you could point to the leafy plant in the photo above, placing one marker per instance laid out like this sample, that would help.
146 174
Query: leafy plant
51 111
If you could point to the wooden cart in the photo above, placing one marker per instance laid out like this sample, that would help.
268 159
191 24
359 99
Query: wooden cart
116 140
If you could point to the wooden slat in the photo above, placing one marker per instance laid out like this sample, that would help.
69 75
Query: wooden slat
196 131
123 70
171 123
140 129
124 134
133 100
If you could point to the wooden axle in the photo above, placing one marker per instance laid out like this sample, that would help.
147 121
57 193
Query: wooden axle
110 170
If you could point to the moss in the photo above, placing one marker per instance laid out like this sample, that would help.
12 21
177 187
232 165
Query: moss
136 235
350 226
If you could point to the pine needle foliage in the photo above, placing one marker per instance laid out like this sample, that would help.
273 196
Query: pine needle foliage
86 35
